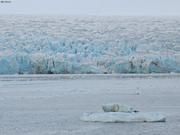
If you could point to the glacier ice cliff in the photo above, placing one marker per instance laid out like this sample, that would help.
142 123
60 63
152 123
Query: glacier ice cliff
75 45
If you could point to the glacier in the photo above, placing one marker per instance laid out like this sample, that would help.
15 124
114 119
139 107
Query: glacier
89 44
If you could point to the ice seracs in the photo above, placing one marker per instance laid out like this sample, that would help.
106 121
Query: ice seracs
89 45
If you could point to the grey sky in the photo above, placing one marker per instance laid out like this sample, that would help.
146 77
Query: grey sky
92 7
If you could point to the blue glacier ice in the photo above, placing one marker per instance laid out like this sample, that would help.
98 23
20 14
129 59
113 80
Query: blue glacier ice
89 45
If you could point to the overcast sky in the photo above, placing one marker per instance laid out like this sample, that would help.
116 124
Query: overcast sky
92 7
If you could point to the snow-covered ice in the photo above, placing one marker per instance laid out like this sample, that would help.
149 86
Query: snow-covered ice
42 105
120 117
67 44
120 113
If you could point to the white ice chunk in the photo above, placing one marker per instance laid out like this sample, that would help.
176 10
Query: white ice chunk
118 117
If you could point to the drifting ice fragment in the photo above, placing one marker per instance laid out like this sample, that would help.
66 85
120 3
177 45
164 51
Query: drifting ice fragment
118 117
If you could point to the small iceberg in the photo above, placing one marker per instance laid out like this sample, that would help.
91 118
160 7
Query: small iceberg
116 113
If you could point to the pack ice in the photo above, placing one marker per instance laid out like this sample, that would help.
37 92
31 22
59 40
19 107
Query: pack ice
61 44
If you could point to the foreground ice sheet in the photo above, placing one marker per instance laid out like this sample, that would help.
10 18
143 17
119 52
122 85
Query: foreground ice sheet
53 104
59 44
123 117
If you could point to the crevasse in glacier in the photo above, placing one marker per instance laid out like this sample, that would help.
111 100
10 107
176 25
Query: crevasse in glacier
64 45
